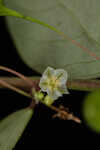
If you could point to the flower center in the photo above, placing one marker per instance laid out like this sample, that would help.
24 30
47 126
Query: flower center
53 82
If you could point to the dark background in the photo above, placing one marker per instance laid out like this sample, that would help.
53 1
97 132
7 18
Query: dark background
10 101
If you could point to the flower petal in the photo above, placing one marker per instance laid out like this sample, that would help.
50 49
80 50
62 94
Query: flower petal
62 75
48 72
43 83
45 78
43 86
63 89
54 94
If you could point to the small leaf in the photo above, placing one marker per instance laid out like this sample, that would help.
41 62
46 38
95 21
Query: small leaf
12 127
91 111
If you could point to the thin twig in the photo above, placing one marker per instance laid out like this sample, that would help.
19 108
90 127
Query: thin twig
27 80
3 83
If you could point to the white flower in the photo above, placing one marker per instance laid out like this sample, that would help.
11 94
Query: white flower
54 82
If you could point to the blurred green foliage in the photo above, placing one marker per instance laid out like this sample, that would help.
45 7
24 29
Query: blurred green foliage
91 111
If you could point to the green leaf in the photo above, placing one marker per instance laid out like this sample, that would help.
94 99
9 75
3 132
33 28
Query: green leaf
40 47
1 1
12 127
91 111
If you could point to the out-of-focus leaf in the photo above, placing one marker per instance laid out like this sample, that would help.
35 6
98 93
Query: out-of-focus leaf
1 1
12 127
40 47
91 111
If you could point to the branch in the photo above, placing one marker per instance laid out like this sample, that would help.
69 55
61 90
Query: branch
82 85
6 85
19 83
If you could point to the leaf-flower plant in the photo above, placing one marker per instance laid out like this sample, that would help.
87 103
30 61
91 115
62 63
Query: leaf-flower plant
45 90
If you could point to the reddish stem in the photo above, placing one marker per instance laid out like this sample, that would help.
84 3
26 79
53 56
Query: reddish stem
3 83
29 81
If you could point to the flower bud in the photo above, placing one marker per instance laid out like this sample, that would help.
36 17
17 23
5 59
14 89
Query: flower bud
48 100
